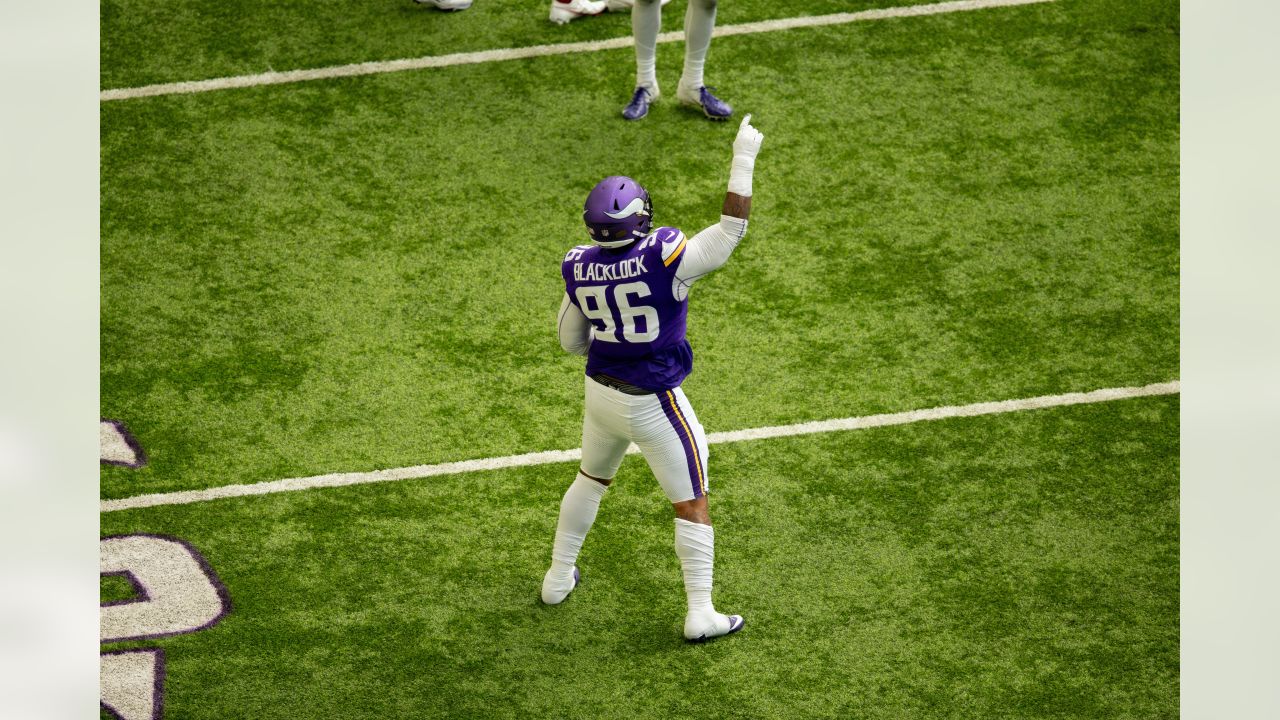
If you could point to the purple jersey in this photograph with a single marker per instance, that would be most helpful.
(628, 295)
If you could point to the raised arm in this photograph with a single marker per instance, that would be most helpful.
(710, 249)
(573, 327)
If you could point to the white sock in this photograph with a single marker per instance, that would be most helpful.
(577, 513)
(646, 22)
(696, 548)
(699, 21)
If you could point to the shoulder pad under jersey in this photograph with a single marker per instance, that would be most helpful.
(672, 241)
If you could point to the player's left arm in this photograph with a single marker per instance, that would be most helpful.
(711, 248)
(573, 327)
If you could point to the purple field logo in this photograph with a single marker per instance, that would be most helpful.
(175, 593)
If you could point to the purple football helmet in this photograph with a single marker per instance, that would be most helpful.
(617, 212)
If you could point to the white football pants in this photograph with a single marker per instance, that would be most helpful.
(662, 425)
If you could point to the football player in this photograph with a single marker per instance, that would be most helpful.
(624, 308)
(699, 21)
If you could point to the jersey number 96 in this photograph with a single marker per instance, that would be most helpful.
(607, 317)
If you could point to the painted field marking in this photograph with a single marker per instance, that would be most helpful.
(485, 56)
(558, 456)
(117, 446)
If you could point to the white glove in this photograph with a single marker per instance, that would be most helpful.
(748, 141)
(745, 148)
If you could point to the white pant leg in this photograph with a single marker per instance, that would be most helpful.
(646, 22)
(699, 23)
(662, 425)
(606, 430)
(674, 444)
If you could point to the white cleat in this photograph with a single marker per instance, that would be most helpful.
(626, 5)
(562, 13)
(554, 591)
(446, 5)
(701, 627)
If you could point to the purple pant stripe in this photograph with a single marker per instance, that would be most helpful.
(686, 440)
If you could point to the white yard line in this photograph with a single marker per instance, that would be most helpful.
(559, 456)
(470, 58)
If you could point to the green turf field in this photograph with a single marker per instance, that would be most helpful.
(355, 274)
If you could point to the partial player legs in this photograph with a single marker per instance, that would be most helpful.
(699, 21)
(696, 548)
(646, 21)
(675, 446)
(577, 513)
(604, 444)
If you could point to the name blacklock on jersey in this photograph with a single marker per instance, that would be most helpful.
(599, 272)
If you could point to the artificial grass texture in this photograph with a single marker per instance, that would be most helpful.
(1021, 566)
(363, 273)
(115, 588)
(157, 41)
